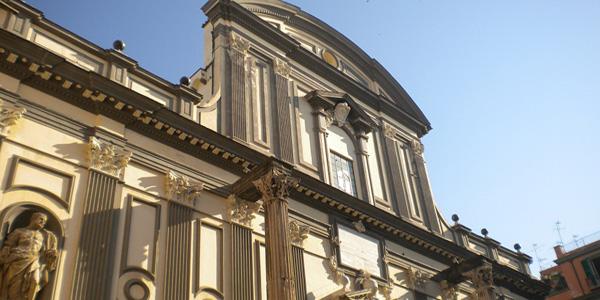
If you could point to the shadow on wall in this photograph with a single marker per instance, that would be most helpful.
(72, 151)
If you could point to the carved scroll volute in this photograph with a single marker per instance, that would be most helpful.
(179, 187)
(275, 184)
(298, 233)
(107, 157)
(242, 212)
(9, 115)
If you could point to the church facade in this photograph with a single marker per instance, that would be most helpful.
(289, 167)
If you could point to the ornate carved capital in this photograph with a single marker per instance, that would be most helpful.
(241, 211)
(417, 147)
(9, 116)
(181, 188)
(238, 43)
(389, 131)
(449, 292)
(275, 184)
(107, 158)
(483, 281)
(415, 278)
(282, 68)
(298, 233)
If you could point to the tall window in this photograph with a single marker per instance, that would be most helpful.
(342, 173)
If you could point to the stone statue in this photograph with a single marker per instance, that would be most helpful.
(26, 258)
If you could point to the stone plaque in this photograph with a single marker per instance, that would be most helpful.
(359, 251)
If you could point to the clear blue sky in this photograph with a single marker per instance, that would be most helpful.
(511, 88)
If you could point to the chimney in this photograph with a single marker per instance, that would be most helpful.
(559, 250)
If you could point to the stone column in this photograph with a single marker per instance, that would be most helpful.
(95, 258)
(323, 121)
(425, 188)
(241, 214)
(363, 156)
(178, 252)
(274, 188)
(398, 188)
(236, 93)
(282, 102)
(298, 233)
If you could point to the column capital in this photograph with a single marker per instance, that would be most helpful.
(417, 147)
(298, 233)
(238, 43)
(281, 67)
(180, 187)
(482, 278)
(242, 212)
(9, 115)
(106, 157)
(271, 180)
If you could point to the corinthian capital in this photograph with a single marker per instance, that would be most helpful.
(282, 68)
(9, 116)
(238, 43)
(180, 187)
(106, 157)
(275, 183)
(298, 233)
(483, 281)
(241, 211)
(417, 147)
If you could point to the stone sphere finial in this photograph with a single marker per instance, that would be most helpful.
(119, 45)
(484, 232)
(184, 80)
(455, 218)
(517, 247)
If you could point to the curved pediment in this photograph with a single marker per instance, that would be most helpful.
(336, 50)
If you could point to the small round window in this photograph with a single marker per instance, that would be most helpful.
(329, 58)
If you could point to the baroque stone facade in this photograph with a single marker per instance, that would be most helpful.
(289, 167)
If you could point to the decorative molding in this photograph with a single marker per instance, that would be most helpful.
(241, 211)
(449, 292)
(415, 278)
(337, 115)
(483, 282)
(281, 67)
(275, 184)
(298, 233)
(9, 116)
(364, 282)
(107, 158)
(417, 147)
(386, 290)
(338, 276)
(181, 188)
(359, 226)
(238, 43)
(389, 131)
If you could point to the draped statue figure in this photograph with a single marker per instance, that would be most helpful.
(26, 258)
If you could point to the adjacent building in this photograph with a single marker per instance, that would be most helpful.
(577, 271)
(289, 167)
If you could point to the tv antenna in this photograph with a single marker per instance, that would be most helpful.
(558, 230)
(537, 256)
